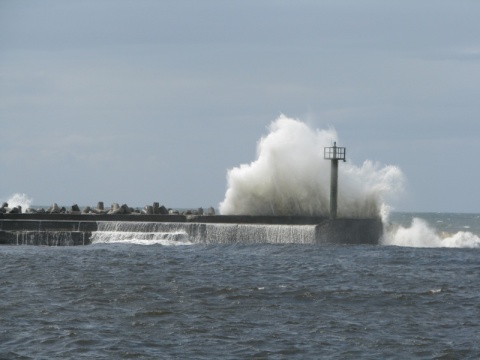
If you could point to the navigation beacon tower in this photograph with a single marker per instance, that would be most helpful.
(334, 154)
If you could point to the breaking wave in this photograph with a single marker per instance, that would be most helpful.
(19, 200)
(291, 177)
(420, 234)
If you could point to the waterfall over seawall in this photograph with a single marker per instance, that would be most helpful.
(67, 230)
(329, 231)
(23, 230)
(194, 233)
(140, 233)
(50, 238)
(263, 234)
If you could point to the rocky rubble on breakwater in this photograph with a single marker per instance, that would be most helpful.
(6, 210)
(115, 209)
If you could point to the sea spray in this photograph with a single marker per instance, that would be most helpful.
(291, 177)
(19, 199)
(421, 234)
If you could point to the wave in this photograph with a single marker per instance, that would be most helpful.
(291, 177)
(19, 199)
(421, 234)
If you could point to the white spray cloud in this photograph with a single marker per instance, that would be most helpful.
(19, 200)
(291, 177)
(420, 234)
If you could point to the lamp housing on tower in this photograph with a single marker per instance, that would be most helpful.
(335, 153)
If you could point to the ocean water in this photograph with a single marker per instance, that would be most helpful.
(172, 300)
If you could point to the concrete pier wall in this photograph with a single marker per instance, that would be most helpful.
(68, 229)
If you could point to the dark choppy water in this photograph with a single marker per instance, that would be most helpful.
(124, 301)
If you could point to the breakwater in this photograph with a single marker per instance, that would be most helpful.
(73, 229)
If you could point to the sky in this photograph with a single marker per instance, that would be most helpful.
(138, 101)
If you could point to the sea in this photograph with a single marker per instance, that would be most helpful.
(416, 296)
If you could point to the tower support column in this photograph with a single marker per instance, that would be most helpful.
(334, 154)
(333, 189)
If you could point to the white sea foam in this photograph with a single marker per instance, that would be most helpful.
(140, 238)
(420, 234)
(140, 233)
(291, 177)
(19, 200)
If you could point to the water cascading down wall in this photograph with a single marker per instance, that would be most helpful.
(67, 229)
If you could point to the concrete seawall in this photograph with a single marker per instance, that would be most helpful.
(69, 229)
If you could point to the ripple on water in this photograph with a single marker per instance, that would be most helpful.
(212, 301)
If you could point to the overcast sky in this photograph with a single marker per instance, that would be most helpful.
(142, 101)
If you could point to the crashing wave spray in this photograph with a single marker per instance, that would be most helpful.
(291, 177)
(19, 200)
(420, 234)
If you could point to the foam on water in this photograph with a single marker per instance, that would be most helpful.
(166, 239)
(420, 234)
(139, 233)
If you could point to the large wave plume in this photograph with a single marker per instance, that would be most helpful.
(291, 177)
